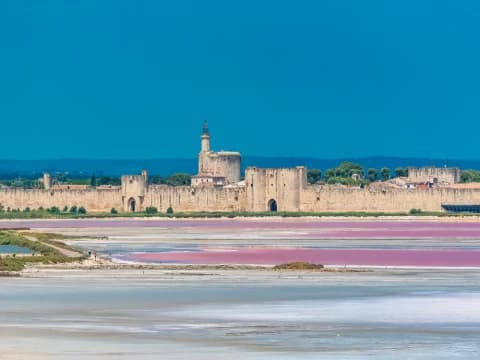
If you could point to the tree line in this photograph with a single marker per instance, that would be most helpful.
(349, 173)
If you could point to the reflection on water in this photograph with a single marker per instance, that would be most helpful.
(258, 315)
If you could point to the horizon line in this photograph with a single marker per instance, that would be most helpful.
(249, 156)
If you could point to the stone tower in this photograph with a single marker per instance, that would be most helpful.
(205, 138)
(216, 168)
(47, 181)
(134, 188)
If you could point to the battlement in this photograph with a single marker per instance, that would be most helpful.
(434, 175)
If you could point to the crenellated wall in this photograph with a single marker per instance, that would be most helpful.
(92, 199)
(330, 198)
(190, 199)
(180, 198)
(287, 187)
(434, 175)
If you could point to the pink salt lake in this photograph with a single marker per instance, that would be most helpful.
(298, 229)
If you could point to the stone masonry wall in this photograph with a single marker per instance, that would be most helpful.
(284, 187)
(337, 199)
(433, 174)
(186, 198)
(93, 200)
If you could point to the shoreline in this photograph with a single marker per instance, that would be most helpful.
(107, 266)
(420, 218)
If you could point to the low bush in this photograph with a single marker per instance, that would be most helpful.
(151, 210)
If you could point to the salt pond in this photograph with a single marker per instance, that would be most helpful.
(220, 314)
(241, 315)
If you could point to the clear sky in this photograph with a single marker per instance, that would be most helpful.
(327, 79)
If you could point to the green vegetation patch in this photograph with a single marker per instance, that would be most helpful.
(42, 253)
(299, 265)
(11, 238)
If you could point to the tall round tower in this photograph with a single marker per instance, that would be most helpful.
(205, 138)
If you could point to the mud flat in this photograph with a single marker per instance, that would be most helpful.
(241, 314)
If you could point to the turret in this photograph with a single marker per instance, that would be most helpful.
(47, 181)
(145, 176)
(205, 138)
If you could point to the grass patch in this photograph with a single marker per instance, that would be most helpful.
(42, 253)
(299, 265)
(11, 238)
(43, 214)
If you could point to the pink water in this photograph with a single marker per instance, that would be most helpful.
(283, 230)
(305, 228)
(339, 257)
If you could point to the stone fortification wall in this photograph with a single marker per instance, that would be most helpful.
(283, 186)
(92, 199)
(186, 198)
(338, 199)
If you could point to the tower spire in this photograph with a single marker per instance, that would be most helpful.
(205, 130)
(205, 137)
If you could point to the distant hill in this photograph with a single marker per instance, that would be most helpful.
(167, 166)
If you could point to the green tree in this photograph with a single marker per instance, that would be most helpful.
(113, 211)
(179, 179)
(341, 180)
(61, 177)
(82, 210)
(109, 180)
(372, 174)
(93, 181)
(385, 173)
(401, 172)
(470, 176)
(73, 209)
(313, 176)
(157, 179)
(330, 173)
(169, 210)
(343, 173)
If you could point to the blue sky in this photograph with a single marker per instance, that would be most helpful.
(327, 79)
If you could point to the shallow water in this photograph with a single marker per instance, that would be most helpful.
(304, 228)
(13, 249)
(249, 315)
(281, 241)
(152, 314)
